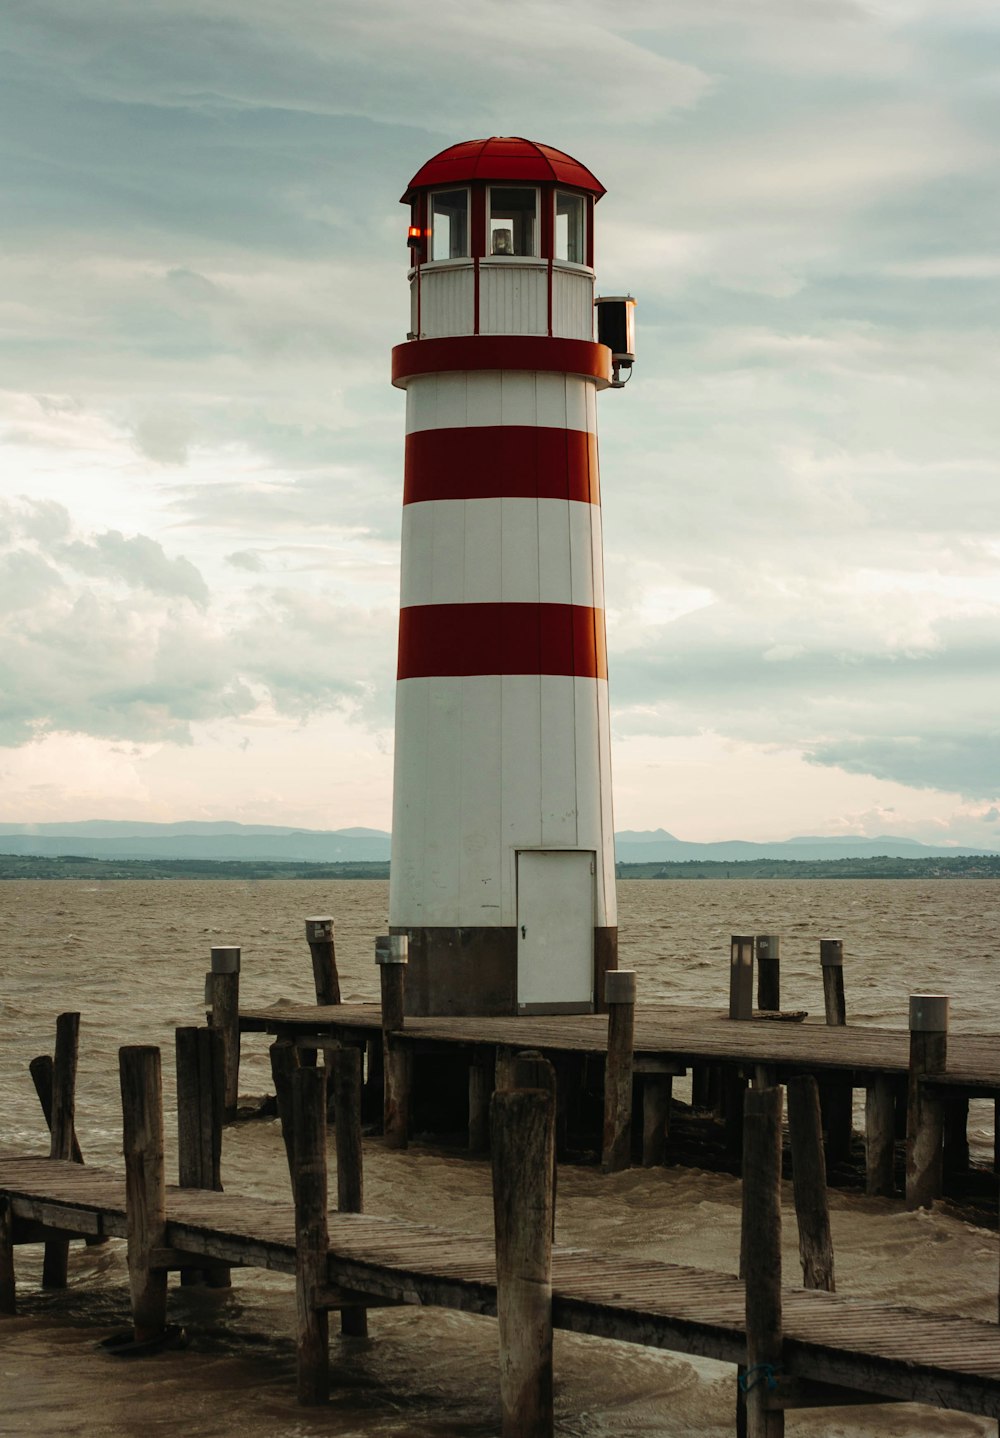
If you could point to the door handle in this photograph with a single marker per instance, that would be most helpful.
(523, 934)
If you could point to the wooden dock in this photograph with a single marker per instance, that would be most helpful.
(879, 1353)
(908, 1087)
(684, 1035)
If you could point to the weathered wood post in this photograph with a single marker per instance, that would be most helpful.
(345, 1064)
(768, 955)
(924, 1108)
(145, 1186)
(762, 1257)
(741, 976)
(619, 995)
(55, 1263)
(312, 1242)
(482, 1074)
(8, 1289)
(831, 958)
(392, 956)
(222, 994)
(880, 1137)
(812, 1206)
(836, 1094)
(523, 1145)
(319, 936)
(956, 1134)
(40, 1069)
(657, 1099)
(200, 1103)
(284, 1062)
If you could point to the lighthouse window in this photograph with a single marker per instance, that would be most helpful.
(449, 224)
(569, 229)
(513, 214)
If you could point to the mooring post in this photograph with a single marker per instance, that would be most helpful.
(40, 1069)
(762, 1257)
(523, 1145)
(222, 994)
(812, 1205)
(312, 1241)
(768, 956)
(392, 956)
(284, 1062)
(880, 1137)
(346, 1083)
(319, 936)
(55, 1263)
(741, 976)
(200, 1103)
(619, 995)
(925, 1108)
(836, 1093)
(145, 1185)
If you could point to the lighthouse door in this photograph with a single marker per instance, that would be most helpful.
(555, 931)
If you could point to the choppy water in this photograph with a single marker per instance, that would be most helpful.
(131, 957)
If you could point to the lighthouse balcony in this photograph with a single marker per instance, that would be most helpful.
(502, 295)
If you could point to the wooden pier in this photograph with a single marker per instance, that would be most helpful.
(879, 1353)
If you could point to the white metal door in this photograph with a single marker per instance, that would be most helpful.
(555, 930)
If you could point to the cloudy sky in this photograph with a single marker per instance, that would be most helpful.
(203, 271)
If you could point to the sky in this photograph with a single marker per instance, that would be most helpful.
(203, 271)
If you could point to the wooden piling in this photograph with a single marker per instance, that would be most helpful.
(223, 994)
(392, 956)
(284, 1062)
(836, 1094)
(956, 1134)
(319, 936)
(741, 976)
(200, 1103)
(482, 1073)
(831, 958)
(8, 1289)
(768, 956)
(145, 1186)
(924, 1108)
(40, 1069)
(345, 1064)
(312, 1240)
(523, 1144)
(762, 1247)
(880, 1137)
(657, 1096)
(55, 1263)
(812, 1207)
(619, 995)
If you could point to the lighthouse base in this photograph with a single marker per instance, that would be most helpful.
(467, 971)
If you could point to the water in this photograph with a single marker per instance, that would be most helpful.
(131, 957)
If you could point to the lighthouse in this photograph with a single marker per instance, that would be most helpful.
(502, 835)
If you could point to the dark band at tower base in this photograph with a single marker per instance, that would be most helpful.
(474, 971)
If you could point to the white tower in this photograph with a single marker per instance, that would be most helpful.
(502, 836)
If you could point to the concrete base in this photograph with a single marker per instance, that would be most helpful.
(474, 971)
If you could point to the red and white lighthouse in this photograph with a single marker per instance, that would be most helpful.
(502, 835)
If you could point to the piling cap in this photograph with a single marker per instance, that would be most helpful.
(619, 986)
(392, 949)
(831, 953)
(929, 1013)
(225, 959)
(319, 929)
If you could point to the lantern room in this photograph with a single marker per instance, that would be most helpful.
(502, 241)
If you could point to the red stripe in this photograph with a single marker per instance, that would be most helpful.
(436, 640)
(521, 352)
(504, 461)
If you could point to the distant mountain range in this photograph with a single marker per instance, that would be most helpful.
(124, 839)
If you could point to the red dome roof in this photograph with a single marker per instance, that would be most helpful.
(503, 158)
